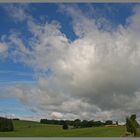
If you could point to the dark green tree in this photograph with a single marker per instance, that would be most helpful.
(6, 124)
(84, 123)
(132, 124)
(117, 123)
(109, 122)
(97, 123)
(90, 123)
(65, 126)
(77, 123)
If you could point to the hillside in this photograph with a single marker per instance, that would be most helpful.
(35, 129)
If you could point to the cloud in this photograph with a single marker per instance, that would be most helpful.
(95, 76)
(56, 115)
(3, 49)
(17, 11)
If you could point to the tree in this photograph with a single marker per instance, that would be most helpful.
(77, 123)
(17, 119)
(128, 125)
(109, 122)
(98, 123)
(90, 123)
(117, 123)
(132, 124)
(65, 126)
(11, 126)
(61, 122)
(84, 123)
(6, 124)
(69, 122)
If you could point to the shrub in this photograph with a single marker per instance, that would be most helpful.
(132, 125)
(65, 126)
(6, 124)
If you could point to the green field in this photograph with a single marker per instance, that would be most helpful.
(35, 129)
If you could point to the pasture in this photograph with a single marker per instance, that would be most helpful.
(35, 129)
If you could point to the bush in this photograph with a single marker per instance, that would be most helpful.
(65, 126)
(132, 125)
(6, 124)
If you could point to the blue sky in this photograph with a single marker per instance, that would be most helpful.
(23, 68)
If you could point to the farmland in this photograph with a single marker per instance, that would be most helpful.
(35, 129)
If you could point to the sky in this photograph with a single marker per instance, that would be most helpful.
(69, 61)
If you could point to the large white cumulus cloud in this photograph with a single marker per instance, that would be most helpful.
(95, 76)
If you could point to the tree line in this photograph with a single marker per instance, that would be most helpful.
(77, 123)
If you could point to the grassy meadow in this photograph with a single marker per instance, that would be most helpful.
(35, 129)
